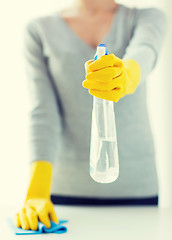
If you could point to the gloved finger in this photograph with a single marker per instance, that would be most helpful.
(32, 218)
(44, 218)
(115, 83)
(23, 219)
(16, 221)
(113, 95)
(105, 74)
(105, 61)
(53, 216)
(87, 63)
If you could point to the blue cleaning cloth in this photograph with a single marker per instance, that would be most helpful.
(55, 228)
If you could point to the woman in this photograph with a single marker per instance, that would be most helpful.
(56, 48)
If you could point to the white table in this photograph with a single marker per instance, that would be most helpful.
(102, 223)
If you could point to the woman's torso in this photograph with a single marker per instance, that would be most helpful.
(66, 54)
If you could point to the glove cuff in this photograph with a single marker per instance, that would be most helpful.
(40, 180)
(133, 75)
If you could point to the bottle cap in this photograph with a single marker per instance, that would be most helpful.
(101, 51)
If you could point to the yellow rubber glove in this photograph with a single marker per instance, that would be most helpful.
(111, 78)
(38, 205)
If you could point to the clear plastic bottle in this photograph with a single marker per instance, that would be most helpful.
(104, 163)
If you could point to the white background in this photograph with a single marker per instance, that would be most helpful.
(14, 170)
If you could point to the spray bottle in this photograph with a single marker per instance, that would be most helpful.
(104, 163)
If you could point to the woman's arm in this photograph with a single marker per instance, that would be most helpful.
(44, 129)
(147, 39)
(44, 115)
(123, 76)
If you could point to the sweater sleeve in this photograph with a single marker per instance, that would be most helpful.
(44, 114)
(147, 38)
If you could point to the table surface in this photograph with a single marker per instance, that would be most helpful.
(102, 223)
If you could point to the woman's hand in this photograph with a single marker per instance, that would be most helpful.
(111, 78)
(33, 210)
(38, 205)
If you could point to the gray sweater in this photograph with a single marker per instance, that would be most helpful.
(60, 108)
